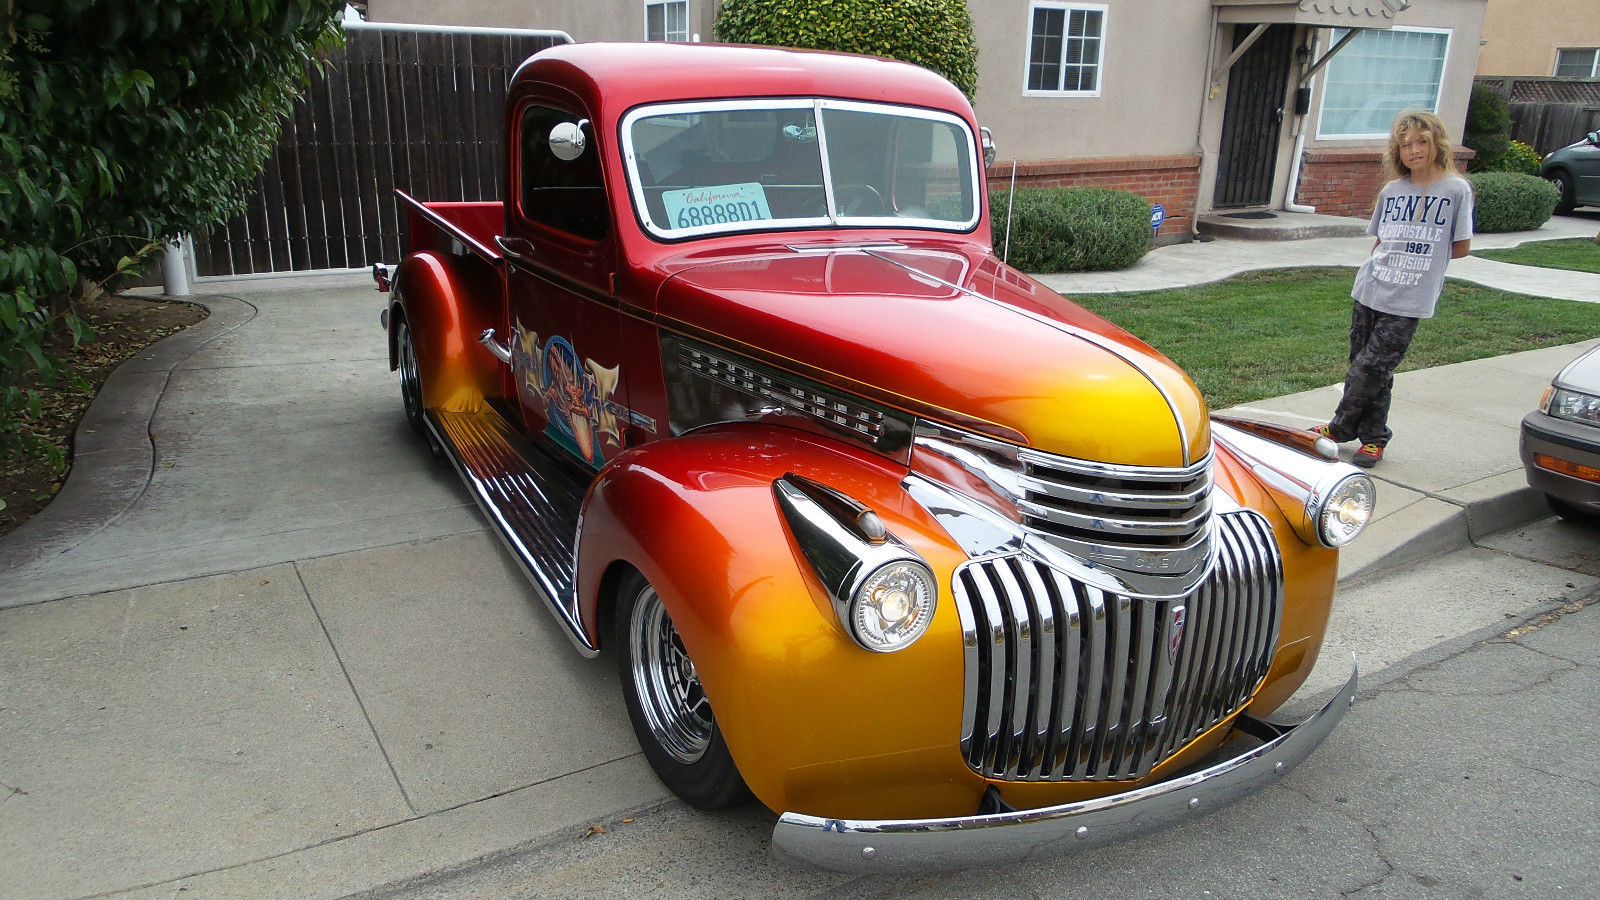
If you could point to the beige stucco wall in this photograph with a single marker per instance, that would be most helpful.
(1464, 19)
(1521, 36)
(1149, 103)
(584, 20)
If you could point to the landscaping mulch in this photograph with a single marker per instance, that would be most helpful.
(123, 325)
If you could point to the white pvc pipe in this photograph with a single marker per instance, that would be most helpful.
(1294, 175)
(174, 269)
(1289, 204)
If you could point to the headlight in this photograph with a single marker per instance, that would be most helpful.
(1347, 510)
(1572, 406)
(882, 592)
(893, 606)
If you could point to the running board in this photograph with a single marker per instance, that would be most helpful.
(532, 501)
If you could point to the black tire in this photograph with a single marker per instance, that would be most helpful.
(1562, 179)
(1572, 512)
(411, 388)
(670, 713)
(410, 378)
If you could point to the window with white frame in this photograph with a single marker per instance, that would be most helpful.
(1584, 63)
(1066, 48)
(1378, 75)
(667, 21)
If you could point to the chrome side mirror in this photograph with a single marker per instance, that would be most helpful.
(986, 137)
(567, 140)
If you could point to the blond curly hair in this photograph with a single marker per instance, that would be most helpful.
(1418, 121)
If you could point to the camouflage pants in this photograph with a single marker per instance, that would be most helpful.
(1378, 342)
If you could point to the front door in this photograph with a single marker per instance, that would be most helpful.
(1253, 119)
(565, 331)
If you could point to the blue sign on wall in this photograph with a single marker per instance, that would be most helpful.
(1158, 214)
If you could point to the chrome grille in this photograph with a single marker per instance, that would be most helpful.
(1066, 681)
(1149, 511)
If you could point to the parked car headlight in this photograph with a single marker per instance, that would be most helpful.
(1347, 510)
(893, 606)
(1571, 405)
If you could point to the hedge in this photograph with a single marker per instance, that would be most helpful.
(1072, 229)
(1507, 201)
(934, 34)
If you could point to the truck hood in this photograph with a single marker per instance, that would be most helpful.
(949, 336)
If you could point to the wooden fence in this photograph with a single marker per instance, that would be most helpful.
(418, 110)
(1549, 113)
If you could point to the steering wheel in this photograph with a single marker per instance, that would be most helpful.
(859, 200)
(851, 200)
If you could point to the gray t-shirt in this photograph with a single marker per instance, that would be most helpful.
(1415, 227)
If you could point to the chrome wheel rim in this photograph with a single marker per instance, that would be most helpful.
(666, 683)
(410, 378)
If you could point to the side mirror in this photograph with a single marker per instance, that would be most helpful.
(986, 137)
(1594, 138)
(567, 140)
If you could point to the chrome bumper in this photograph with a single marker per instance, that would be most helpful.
(918, 846)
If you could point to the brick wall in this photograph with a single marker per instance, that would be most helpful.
(1172, 181)
(1346, 182)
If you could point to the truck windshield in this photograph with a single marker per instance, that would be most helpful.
(715, 167)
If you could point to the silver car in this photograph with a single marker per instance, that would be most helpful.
(1575, 171)
(1561, 441)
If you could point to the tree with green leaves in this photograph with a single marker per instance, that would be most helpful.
(1488, 128)
(934, 34)
(122, 124)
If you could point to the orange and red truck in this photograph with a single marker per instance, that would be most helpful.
(936, 564)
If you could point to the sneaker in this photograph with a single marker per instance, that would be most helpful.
(1368, 455)
(1327, 432)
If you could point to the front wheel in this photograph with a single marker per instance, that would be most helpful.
(671, 715)
(1569, 194)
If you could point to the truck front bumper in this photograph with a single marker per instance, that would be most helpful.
(918, 846)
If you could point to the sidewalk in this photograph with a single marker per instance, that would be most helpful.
(263, 645)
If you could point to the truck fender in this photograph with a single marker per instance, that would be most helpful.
(446, 310)
(697, 516)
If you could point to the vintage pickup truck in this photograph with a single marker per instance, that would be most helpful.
(937, 564)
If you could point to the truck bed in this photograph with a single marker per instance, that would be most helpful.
(430, 226)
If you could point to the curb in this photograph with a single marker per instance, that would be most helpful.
(1432, 527)
(113, 456)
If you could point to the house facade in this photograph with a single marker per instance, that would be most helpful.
(1202, 106)
(1541, 38)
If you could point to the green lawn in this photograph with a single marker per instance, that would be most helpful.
(1577, 254)
(1270, 333)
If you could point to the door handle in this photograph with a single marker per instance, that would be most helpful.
(520, 249)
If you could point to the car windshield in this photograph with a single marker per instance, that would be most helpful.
(715, 167)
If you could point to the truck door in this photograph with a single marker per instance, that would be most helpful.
(560, 250)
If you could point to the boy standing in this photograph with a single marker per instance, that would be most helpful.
(1423, 220)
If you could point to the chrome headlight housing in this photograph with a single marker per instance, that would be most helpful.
(882, 592)
(1346, 510)
(1327, 501)
(893, 606)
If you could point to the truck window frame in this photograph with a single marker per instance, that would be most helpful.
(585, 212)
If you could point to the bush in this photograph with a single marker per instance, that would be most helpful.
(1508, 201)
(1072, 229)
(1520, 158)
(934, 34)
(123, 123)
(1488, 128)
